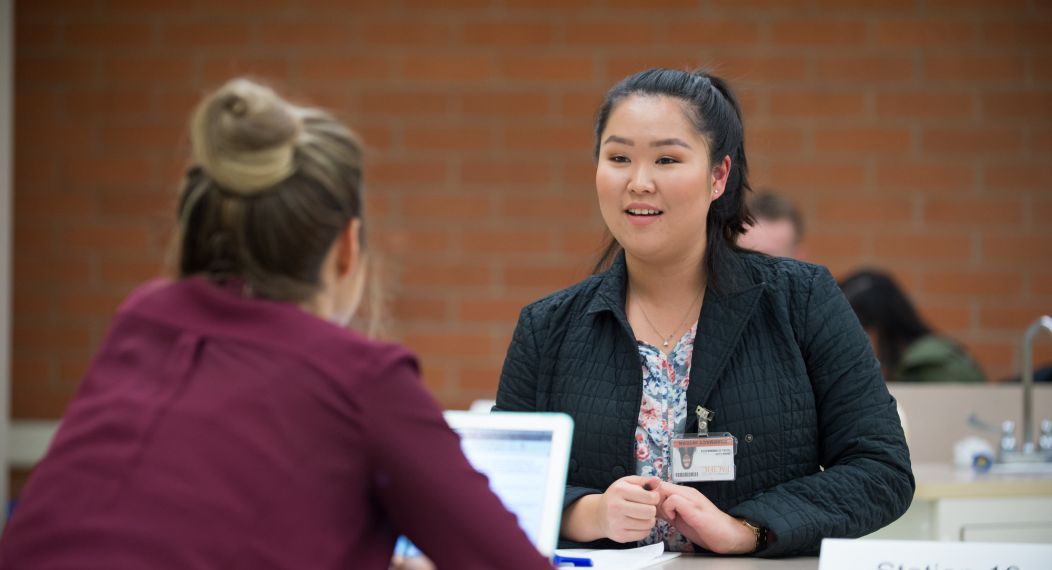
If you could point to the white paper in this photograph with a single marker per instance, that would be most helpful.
(628, 559)
(844, 554)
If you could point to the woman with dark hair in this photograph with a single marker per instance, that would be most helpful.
(679, 330)
(908, 350)
(230, 419)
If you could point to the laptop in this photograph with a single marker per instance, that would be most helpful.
(525, 456)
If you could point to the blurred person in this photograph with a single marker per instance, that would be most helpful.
(230, 419)
(777, 228)
(908, 349)
(678, 323)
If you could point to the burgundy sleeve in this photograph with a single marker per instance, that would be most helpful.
(430, 491)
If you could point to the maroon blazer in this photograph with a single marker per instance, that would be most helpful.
(218, 431)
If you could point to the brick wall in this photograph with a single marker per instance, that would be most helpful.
(916, 135)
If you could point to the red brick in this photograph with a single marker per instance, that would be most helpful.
(758, 70)
(399, 173)
(584, 245)
(108, 171)
(344, 68)
(817, 104)
(34, 234)
(86, 303)
(482, 378)
(197, 35)
(1032, 106)
(615, 69)
(552, 138)
(400, 102)
(1039, 141)
(970, 68)
(129, 271)
(773, 141)
(613, 33)
(505, 173)
(54, 203)
(862, 209)
(896, 6)
(266, 69)
(445, 4)
(865, 140)
(407, 308)
(34, 173)
(542, 277)
(40, 269)
(58, 70)
(137, 203)
(926, 176)
(832, 33)
(449, 344)
(129, 140)
(146, 68)
(300, 34)
(547, 68)
(511, 105)
(1029, 34)
(451, 138)
(31, 302)
(1041, 284)
(995, 357)
(973, 141)
(35, 36)
(957, 6)
(501, 34)
(973, 282)
(824, 245)
(923, 247)
(537, 208)
(49, 335)
(1018, 248)
(924, 105)
(974, 211)
(1010, 317)
(109, 105)
(78, 36)
(106, 237)
(402, 33)
(440, 68)
(445, 274)
(508, 242)
(449, 206)
(711, 32)
(405, 241)
(500, 310)
(870, 69)
(947, 318)
(925, 33)
(800, 175)
(1042, 66)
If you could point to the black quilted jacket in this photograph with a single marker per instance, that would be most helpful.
(784, 364)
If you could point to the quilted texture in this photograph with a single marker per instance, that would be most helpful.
(783, 362)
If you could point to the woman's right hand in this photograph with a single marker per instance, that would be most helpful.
(627, 511)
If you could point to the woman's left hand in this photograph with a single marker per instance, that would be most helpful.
(702, 523)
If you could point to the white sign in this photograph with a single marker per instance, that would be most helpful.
(843, 554)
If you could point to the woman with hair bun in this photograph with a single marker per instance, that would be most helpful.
(230, 419)
(680, 331)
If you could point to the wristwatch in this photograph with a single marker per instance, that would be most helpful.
(759, 532)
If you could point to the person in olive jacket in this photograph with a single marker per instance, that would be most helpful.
(679, 329)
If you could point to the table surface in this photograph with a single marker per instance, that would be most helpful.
(689, 562)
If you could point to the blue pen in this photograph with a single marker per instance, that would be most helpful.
(572, 560)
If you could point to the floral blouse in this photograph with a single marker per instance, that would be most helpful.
(662, 415)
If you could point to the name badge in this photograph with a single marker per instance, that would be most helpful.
(703, 457)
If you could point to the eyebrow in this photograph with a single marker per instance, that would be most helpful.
(662, 142)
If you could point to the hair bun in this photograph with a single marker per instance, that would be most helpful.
(244, 137)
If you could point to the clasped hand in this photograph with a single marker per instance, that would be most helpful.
(631, 506)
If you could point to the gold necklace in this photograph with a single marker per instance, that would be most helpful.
(666, 339)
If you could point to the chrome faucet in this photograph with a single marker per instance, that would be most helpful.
(1030, 451)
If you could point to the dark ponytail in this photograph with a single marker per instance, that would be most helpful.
(716, 114)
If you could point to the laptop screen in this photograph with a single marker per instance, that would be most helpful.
(524, 456)
(516, 463)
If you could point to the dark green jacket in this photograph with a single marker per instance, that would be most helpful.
(933, 358)
(783, 362)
